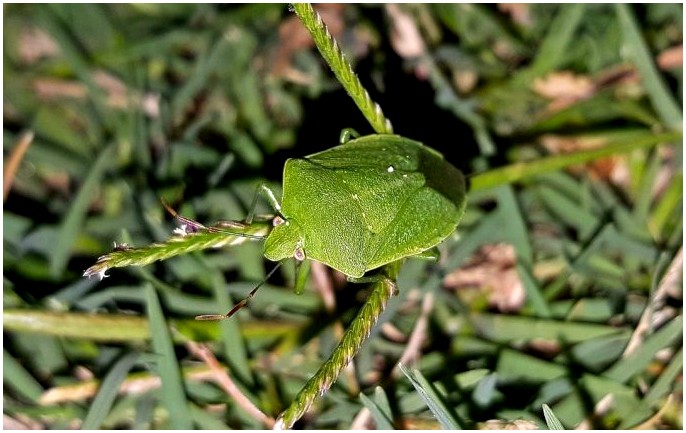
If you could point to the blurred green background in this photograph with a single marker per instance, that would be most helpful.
(563, 288)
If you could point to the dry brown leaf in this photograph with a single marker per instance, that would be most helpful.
(12, 164)
(609, 168)
(492, 268)
(118, 94)
(518, 11)
(21, 422)
(671, 58)
(405, 37)
(53, 88)
(293, 37)
(35, 44)
(563, 88)
(136, 385)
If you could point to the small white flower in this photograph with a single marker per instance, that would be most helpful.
(102, 274)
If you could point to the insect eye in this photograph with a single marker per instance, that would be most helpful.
(299, 253)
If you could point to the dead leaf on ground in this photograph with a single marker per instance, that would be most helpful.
(493, 269)
(119, 96)
(564, 88)
(35, 45)
(608, 168)
(671, 58)
(12, 163)
(406, 39)
(293, 37)
(518, 11)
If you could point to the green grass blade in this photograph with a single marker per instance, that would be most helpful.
(561, 32)
(658, 91)
(206, 421)
(667, 381)
(108, 392)
(668, 208)
(77, 325)
(433, 399)
(504, 329)
(15, 376)
(73, 221)
(382, 415)
(524, 170)
(173, 394)
(234, 345)
(641, 358)
(550, 419)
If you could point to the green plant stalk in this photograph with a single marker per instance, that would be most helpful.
(359, 329)
(174, 246)
(127, 328)
(350, 344)
(658, 91)
(331, 52)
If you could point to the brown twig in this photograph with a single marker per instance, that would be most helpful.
(413, 350)
(13, 162)
(223, 379)
(647, 321)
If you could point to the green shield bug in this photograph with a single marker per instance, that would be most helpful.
(362, 205)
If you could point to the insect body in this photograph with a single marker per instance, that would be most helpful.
(366, 203)
(356, 207)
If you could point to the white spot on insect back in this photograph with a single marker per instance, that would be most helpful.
(390, 169)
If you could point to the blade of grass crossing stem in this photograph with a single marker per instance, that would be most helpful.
(206, 421)
(73, 221)
(658, 91)
(644, 197)
(380, 412)
(145, 412)
(550, 419)
(514, 224)
(666, 208)
(641, 358)
(173, 394)
(554, 47)
(108, 392)
(65, 37)
(667, 381)
(15, 376)
(523, 170)
(433, 399)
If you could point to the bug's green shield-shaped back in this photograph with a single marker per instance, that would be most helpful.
(367, 203)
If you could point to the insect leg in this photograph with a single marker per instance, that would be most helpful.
(302, 271)
(242, 303)
(191, 226)
(271, 198)
(347, 134)
(186, 223)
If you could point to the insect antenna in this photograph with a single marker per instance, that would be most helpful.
(243, 302)
(192, 226)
